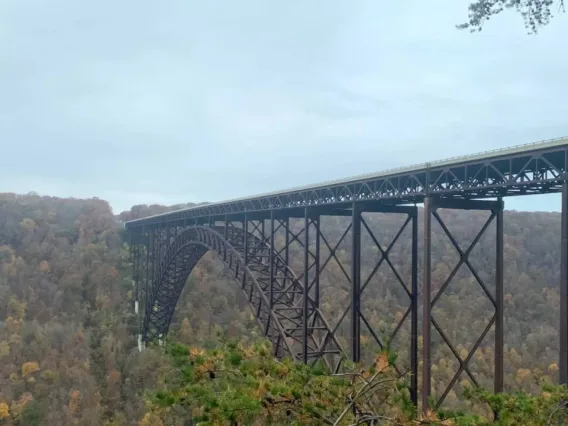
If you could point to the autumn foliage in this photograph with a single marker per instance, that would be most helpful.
(66, 300)
(4, 411)
(236, 384)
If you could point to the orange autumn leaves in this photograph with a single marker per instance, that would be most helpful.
(381, 362)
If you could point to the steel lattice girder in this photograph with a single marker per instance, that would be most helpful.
(535, 169)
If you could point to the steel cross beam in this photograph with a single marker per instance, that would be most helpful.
(358, 223)
(563, 362)
(431, 205)
(313, 262)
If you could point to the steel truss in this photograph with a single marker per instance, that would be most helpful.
(247, 236)
(563, 363)
(431, 207)
(540, 169)
(359, 285)
(287, 310)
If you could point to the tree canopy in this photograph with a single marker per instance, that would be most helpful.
(240, 384)
(536, 13)
(68, 349)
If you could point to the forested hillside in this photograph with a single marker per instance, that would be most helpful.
(68, 353)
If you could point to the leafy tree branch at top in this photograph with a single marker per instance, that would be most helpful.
(536, 13)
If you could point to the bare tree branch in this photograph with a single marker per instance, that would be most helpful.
(560, 406)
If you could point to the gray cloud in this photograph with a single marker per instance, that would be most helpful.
(140, 102)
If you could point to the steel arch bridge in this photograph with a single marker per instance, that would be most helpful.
(252, 261)
(253, 238)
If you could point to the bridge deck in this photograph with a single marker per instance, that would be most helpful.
(538, 167)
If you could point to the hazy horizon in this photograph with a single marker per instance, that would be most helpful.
(181, 102)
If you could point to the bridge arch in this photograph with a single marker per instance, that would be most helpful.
(280, 312)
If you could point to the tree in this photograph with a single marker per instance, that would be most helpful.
(519, 408)
(536, 13)
(74, 313)
(4, 411)
(29, 368)
(236, 384)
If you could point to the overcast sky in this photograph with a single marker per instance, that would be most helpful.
(178, 101)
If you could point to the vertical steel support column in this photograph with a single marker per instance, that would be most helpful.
(317, 223)
(426, 304)
(146, 282)
(286, 223)
(245, 249)
(564, 288)
(271, 258)
(172, 233)
(131, 255)
(306, 294)
(499, 301)
(287, 241)
(226, 237)
(136, 276)
(137, 256)
(414, 312)
(245, 243)
(356, 284)
(147, 277)
(153, 255)
(262, 231)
